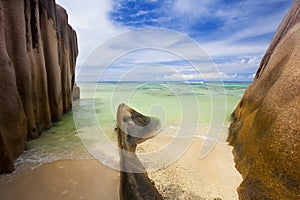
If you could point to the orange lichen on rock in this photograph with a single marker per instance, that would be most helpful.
(265, 131)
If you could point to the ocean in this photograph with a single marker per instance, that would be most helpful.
(185, 110)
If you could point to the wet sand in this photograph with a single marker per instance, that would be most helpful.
(64, 180)
(188, 178)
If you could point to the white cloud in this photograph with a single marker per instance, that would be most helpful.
(181, 77)
(89, 19)
(210, 76)
(192, 7)
(226, 48)
(169, 50)
(142, 12)
(258, 27)
(252, 60)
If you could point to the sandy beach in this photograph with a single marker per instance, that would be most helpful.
(178, 91)
(188, 178)
(213, 177)
(65, 180)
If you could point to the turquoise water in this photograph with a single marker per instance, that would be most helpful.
(173, 102)
(170, 96)
(196, 109)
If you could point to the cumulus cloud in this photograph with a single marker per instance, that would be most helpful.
(234, 37)
(181, 77)
(89, 19)
(193, 7)
(252, 60)
(206, 77)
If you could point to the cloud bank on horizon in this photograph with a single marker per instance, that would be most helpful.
(235, 34)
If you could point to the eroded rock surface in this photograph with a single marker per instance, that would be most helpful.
(134, 128)
(265, 131)
(38, 51)
(76, 92)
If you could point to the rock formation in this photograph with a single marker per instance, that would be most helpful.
(265, 131)
(38, 51)
(76, 92)
(134, 128)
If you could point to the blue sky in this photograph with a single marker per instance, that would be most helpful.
(233, 33)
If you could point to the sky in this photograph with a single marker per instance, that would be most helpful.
(169, 40)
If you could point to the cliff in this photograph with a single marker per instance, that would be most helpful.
(265, 131)
(38, 51)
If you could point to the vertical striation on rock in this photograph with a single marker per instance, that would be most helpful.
(265, 131)
(38, 51)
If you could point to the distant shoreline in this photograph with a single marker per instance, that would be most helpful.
(241, 82)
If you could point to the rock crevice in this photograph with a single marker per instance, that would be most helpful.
(265, 131)
(38, 51)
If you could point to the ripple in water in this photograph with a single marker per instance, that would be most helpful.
(62, 142)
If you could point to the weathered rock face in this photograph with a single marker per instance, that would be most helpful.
(76, 92)
(38, 51)
(265, 131)
(134, 128)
